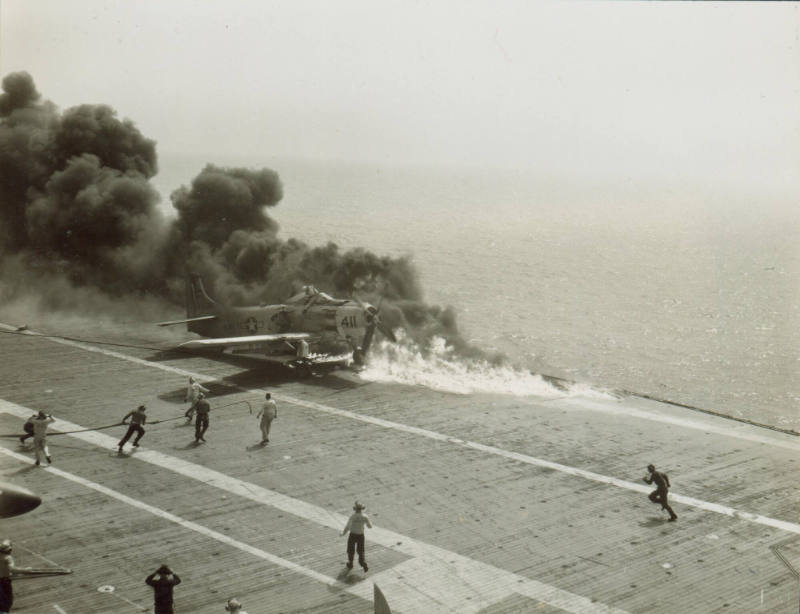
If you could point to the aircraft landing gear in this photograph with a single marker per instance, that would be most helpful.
(303, 369)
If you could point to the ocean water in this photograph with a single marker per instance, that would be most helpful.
(686, 294)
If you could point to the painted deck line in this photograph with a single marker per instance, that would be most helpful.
(187, 524)
(741, 431)
(707, 506)
(223, 481)
(725, 510)
(523, 458)
(91, 348)
(453, 583)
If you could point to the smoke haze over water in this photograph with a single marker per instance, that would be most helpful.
(82, 230)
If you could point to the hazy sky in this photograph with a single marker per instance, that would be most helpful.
(677, 91)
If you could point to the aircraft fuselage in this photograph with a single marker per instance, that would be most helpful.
(326, 324)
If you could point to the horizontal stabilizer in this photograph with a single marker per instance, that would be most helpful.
(233, 342)
(187, 320)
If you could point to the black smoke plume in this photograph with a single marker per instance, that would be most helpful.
(75, 196)
(81, 225)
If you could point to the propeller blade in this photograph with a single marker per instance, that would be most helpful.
(373, 318)
(387, 332)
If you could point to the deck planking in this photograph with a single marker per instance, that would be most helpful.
(604, 543)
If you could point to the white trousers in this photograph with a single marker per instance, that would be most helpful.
(265, 425)
(40, 447)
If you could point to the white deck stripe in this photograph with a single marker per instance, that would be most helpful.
(712, 425)
(539, 462)
(188, 524)
(467, 585)
(740, 431)
(736, 432)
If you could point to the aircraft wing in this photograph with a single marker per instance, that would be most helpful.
(197, 319)
(249, 340)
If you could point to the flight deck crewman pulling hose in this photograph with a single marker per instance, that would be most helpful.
(192, 396)
(28, 428)
(138, 419)
(201, 426)
(40, 436)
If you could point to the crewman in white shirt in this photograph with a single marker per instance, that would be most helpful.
(192, 396)
(355, 524)
(267, 414)
(40, 436)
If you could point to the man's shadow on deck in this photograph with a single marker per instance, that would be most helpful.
(190, 446)
(348, 576)
(653, 522)
(24, 470)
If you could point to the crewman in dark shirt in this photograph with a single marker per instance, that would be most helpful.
(201, 426)
(138, 420)
(163, 580)
(28, 428)
(659, 495)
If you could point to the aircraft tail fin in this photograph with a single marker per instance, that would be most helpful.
(198, 303)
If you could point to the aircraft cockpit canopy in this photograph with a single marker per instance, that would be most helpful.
(310, 295)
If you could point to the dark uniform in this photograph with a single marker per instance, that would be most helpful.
(201, 426)
(162, 580)
(28, 428)
(138, 419)
(659, 495)
(6, 567)
(355, 541)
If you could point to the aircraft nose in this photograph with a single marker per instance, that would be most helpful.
(15, 500)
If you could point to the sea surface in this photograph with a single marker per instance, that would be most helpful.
(684, 294)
